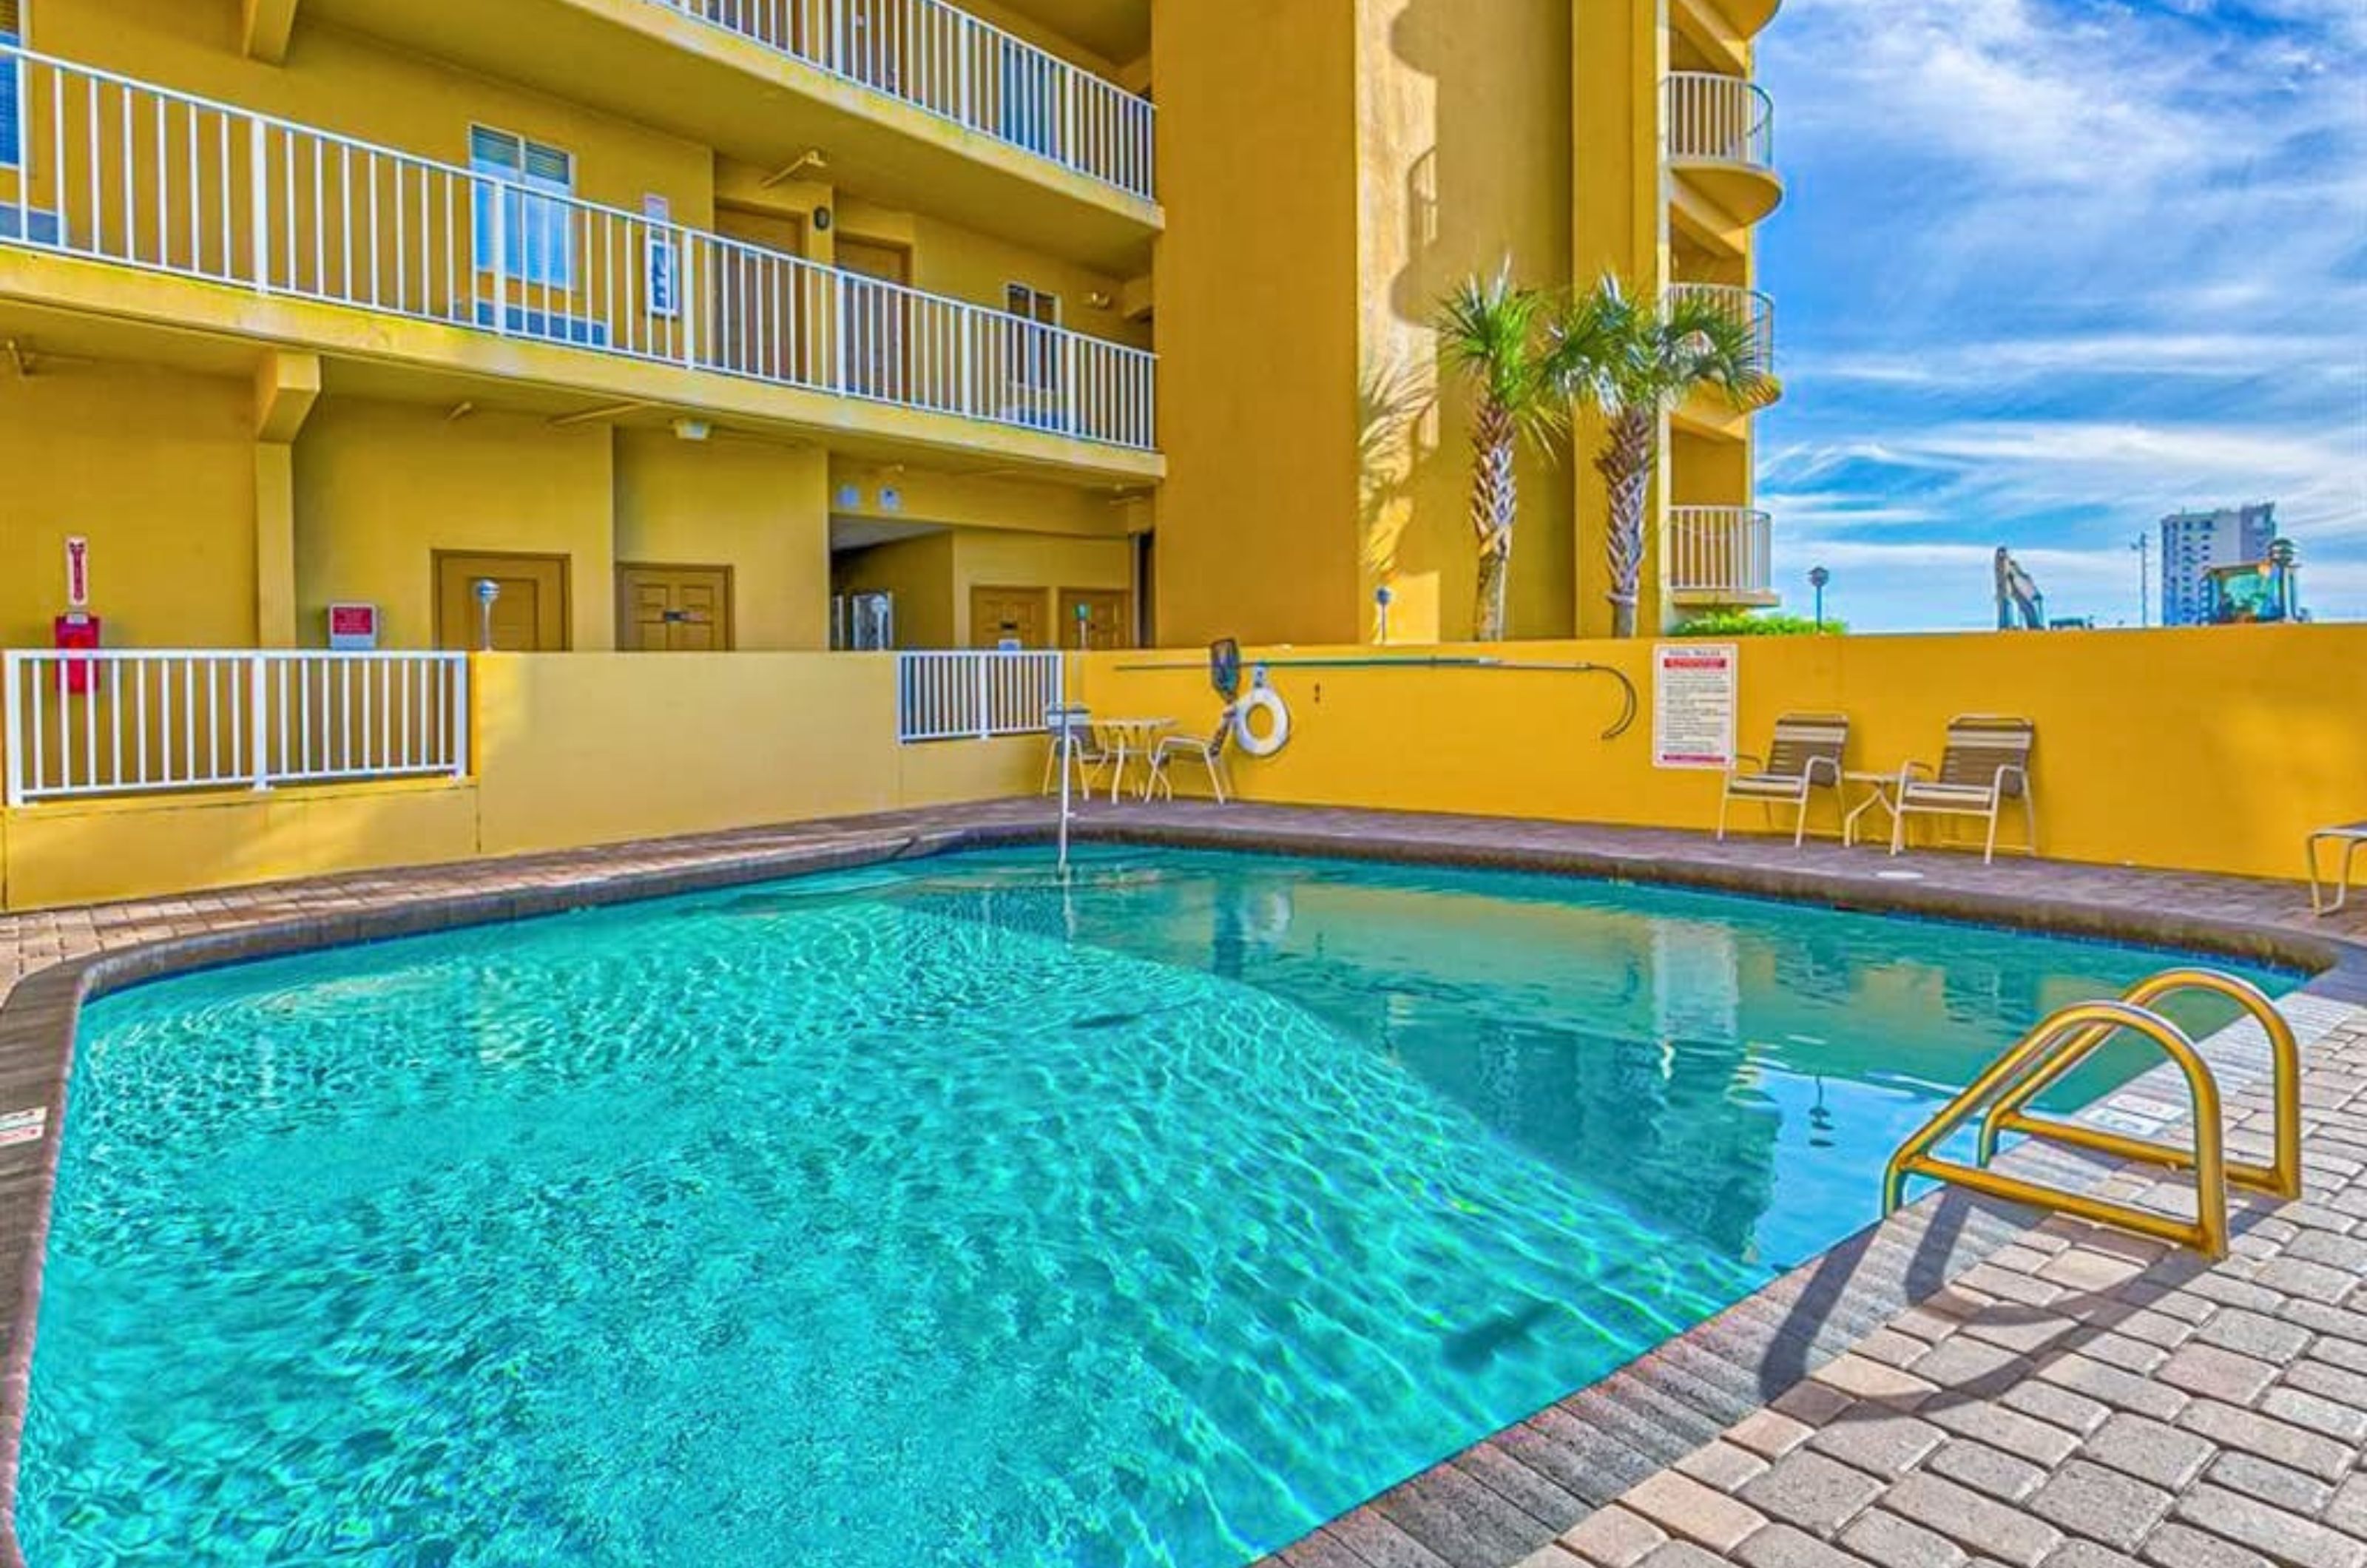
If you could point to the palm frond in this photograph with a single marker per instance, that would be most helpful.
(1493, 331)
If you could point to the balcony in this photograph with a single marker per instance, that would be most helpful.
(120, 172)
(1720, 30)
(917, 105)
(1719, 556)
(1707, 413)
(959, 68)
(1721, 147)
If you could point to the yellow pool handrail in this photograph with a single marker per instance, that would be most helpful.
(2075, 1031)
(2281, 1177)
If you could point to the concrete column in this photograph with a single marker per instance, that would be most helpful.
(1620, 218)
(286, 388)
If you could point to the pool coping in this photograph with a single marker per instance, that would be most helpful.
(1647, 1414)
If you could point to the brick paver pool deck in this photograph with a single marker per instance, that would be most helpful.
(1964, 1383)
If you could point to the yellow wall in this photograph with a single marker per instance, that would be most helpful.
(572, 751)
(758, 508)
(1255, 294)
(973, 500)
(1461, 169)
(1023, 560)
(2211, 749)
(1619, 217)
(581, 750)
(932, 576)
(78, 853)
(920, 573)
(1326, 190)
(381, 487)
(157, 470)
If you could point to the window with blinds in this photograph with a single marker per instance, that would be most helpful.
(12, 85)
(520, 230)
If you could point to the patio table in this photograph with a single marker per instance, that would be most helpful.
(1881, 790)
(1131, 739)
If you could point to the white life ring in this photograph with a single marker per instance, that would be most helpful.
(1265, 700)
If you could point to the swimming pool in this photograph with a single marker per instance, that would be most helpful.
(939, 1213)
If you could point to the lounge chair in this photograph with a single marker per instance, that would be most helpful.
(1085, 748)
(1805, 756)
(1209, 751)
(2351, 836)
(1986, 765)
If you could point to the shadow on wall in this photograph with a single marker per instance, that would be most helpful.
(1473, 109)
(1397, 439)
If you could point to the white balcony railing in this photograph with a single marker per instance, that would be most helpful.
(1723, 119)
(974, 696)
(950, 64)
(142, 721)
(1749, 306)
(1720, 549)
(118, 171)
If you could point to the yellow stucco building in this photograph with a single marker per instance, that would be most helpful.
(787, 325)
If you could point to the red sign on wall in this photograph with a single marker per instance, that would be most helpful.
(353, 627)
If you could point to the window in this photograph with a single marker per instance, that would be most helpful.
(537, 233)
(12, 86)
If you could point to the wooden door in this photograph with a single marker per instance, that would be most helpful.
(997, 614)
(673, 609)
(1107, 620)
(763, 300)
(875, 319)
(529, 610)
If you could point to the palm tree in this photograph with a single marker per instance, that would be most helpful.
(1501, 338)
(1631, 361)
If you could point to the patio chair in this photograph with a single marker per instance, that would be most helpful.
(2350, 837)
(1804, 756)
(1986, 763)
(1209, 751)
(1086, 748)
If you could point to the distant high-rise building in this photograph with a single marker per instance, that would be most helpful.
(2194, 542)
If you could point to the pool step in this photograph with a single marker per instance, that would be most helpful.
(2063, 1041)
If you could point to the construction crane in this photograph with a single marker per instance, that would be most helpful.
(2018, 598)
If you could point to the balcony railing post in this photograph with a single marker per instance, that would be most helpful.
(14, 752)
(501, 207)
(258, 694)
(692, 303)
(461, 714)
(985, 697)
(258, 143)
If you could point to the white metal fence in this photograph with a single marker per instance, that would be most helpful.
(1749, 306)
(951, 63)
(975, 696)
(1720, 549)
(119, 171)
(139, 721)
(1727, 119)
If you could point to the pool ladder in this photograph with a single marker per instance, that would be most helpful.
(2060, 1044)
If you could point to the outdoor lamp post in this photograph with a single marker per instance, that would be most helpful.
(1817, 578)
(1381, 597)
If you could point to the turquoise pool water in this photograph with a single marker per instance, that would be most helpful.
(940, 1215)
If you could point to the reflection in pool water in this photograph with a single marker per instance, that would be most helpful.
(944, 1214)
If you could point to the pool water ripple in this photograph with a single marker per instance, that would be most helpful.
(947, 1215)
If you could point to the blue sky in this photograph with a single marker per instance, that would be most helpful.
(2047, 269)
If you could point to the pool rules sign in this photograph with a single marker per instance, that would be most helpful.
(1693, 686)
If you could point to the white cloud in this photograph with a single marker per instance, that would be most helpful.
(2050, 268)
